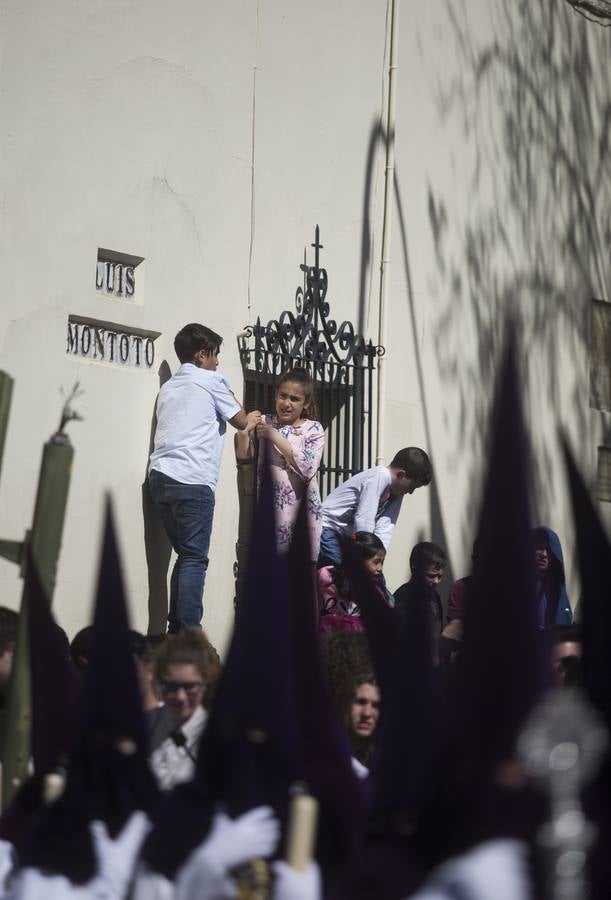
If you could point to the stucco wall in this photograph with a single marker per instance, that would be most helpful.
(210, 141)
(503, 172)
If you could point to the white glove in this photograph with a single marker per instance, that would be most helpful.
(254, 835)
(292, 885)
(7, 864)
(230, 843)
(30, 884)
(116, 861)
(494, 870)
(200, 878)
(117, 858)
(150, 885)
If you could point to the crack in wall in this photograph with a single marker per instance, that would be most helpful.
(163, 182)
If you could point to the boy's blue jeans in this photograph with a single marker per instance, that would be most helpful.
(330, 549)
(186, 511)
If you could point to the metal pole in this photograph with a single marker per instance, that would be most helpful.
(348, 410)
(16, 742)
(11, 550)
(386, 230)
(6, 393)
(337, 425)
(45, 541)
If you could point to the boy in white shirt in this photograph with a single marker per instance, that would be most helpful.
(371, 501)
(192, 410)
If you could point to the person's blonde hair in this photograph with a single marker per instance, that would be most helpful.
(189, 648)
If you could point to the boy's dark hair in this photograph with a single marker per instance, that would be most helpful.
(425, 555)
(415, 463)
(368, 544)
(193, 338)
(9, 620)
(306, 383)
(82, 646)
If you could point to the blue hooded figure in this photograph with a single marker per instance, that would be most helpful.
(553, 607)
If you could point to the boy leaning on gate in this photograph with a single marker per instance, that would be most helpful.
(371, 501)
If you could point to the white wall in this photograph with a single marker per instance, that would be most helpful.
(135, 127)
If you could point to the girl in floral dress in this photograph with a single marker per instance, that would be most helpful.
(295, 443)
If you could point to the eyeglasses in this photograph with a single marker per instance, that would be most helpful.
(189, 687)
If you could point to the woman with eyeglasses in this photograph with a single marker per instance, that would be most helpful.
(186, 667)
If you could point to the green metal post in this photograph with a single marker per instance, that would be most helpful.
(50, 508)
(16, 742)
(45, 542)
(44, 539)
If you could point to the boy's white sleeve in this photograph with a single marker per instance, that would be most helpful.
(385, 524)
(369, 500)
(224, 400)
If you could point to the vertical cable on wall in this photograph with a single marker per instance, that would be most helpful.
(389, 173)
(252, 166)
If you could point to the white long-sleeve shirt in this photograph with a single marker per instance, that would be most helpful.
(173, 763)
(359, 504)
(192, 412)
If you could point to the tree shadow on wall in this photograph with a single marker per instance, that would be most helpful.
(535, 107)
(377, 140)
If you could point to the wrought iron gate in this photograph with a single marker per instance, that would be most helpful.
(341, 362)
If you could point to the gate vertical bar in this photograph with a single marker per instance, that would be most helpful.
(321, 398)
(359, 423)
(338, 418)
(330, 430)
(347, 405)
(6, 393)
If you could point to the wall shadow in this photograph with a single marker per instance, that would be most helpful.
(438, 529)
(533, 102)
(157, 547)
(377, 139)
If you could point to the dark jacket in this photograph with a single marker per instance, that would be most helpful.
(402, 599)
(553, 602)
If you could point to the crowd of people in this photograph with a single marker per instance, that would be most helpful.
(400, 719)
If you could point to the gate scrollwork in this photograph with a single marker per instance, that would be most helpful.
(309, 334)
(341, 361)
